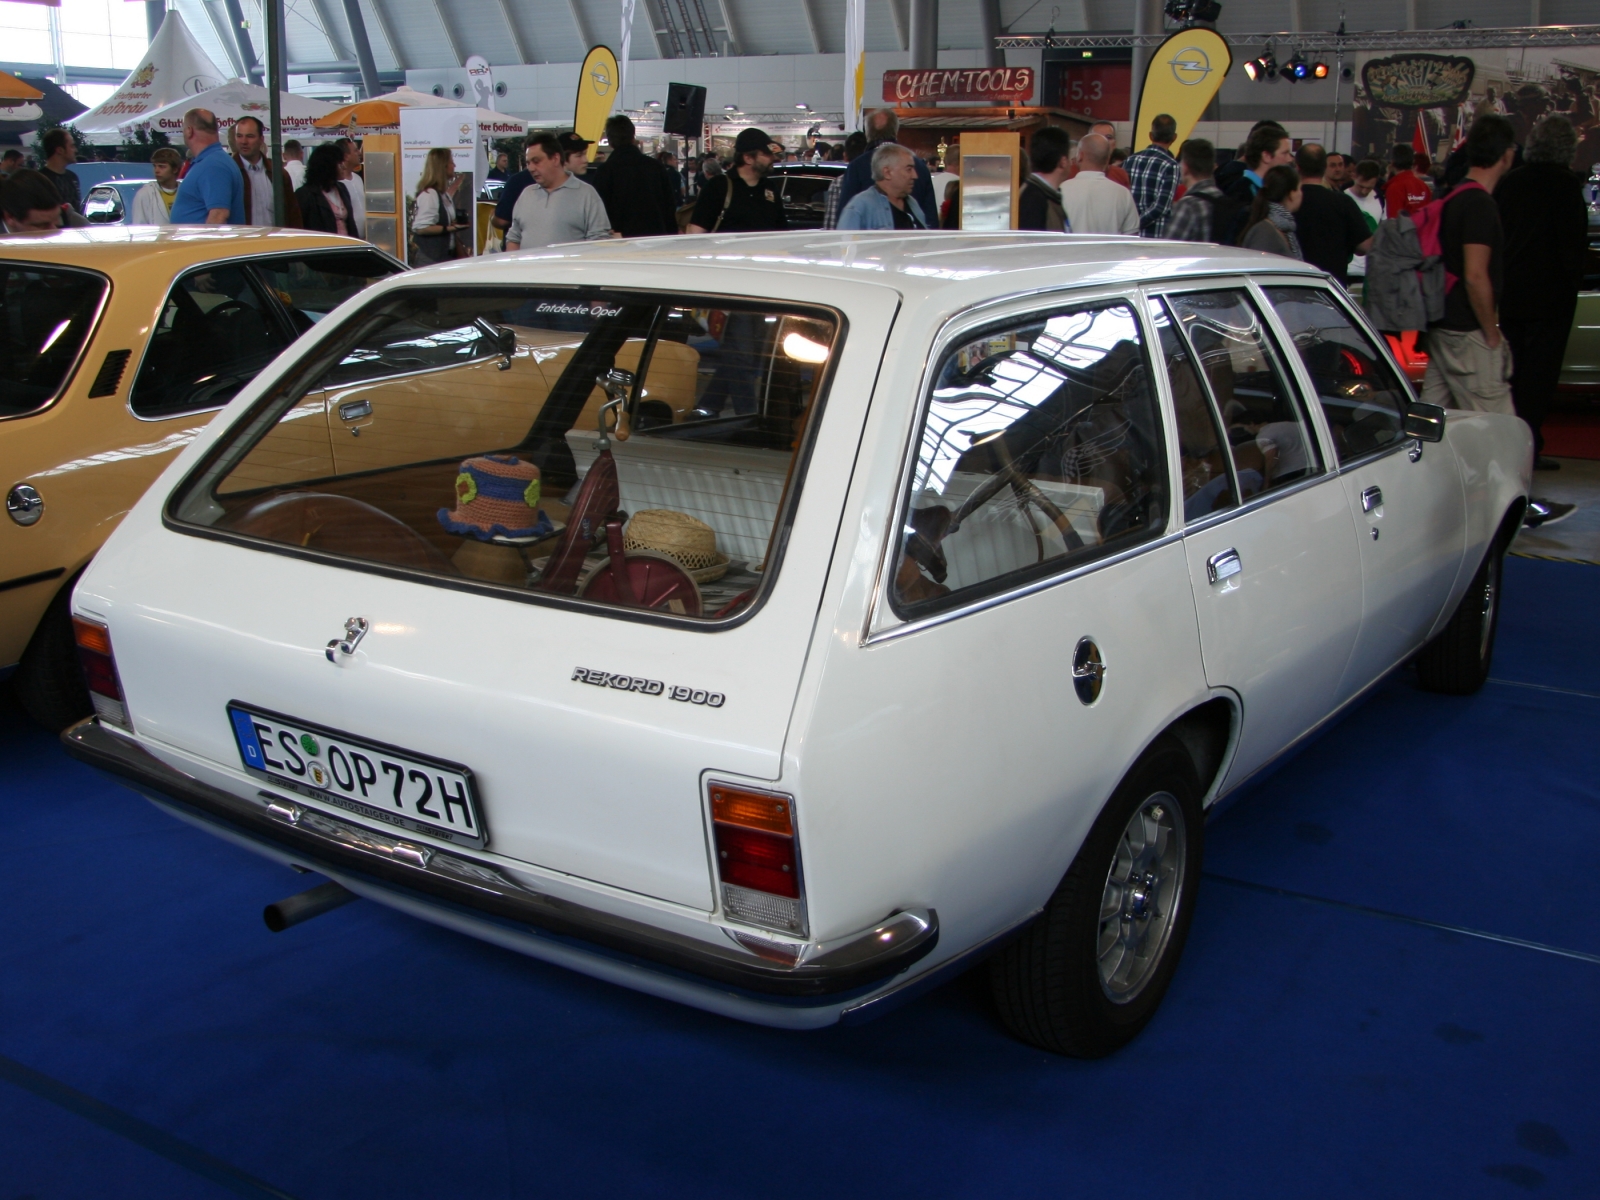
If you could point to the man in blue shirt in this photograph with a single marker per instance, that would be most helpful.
(212, 193)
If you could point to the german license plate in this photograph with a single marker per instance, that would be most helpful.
(372, 780)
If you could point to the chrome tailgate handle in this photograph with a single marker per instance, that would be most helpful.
(1371, 498)
(1223, 566)
(355, 410)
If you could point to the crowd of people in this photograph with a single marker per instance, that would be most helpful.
(1512, 216)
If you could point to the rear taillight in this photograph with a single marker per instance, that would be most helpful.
(758, 858)
(100, 672)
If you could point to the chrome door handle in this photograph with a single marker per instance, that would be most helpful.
(1371, 498)
(355, 410)
(1223, 566)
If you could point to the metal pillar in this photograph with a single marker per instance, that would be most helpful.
(155, 12)
(924, 34)
(278, 66)
(1147, 20)
(358, 35)
(272, 10)
(241, 37)
(989, 23)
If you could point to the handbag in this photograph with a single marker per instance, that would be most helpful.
(434, 247)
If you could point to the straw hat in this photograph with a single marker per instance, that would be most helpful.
(497, 495)
(690, 543)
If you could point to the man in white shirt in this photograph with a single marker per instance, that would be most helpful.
(1093, 203)
(351, 178)
(1364, 179)
(294, 164)
(556, 207)
(249, 152)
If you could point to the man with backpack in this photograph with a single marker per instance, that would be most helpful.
(1469, 362)
(1203, 210)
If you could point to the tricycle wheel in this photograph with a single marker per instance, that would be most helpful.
(658, 583)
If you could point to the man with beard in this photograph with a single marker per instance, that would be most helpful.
(741, 200)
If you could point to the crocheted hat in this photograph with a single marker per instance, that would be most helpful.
(497, 496)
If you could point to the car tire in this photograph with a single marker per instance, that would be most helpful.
(1088, 974)
(1457, 662)
(48, 681)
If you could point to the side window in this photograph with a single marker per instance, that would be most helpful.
(1207, 483)
(1361, 395)
(46, 316)
(1041, 449)
(214, 333)
(313, 285)
(1271, 443)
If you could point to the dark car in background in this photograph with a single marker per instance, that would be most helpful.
(804, 188)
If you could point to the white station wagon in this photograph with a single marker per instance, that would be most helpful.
(782, 624)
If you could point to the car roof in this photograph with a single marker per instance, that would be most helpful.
(113, 248)
(967, 267)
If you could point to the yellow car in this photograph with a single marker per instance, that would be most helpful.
(116, 346)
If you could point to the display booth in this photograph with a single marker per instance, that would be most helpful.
(175, 70)
(468, 133)
(297, 115)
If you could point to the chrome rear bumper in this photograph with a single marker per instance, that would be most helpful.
(825, 974)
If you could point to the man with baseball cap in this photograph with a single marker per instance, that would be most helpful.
(741, 201)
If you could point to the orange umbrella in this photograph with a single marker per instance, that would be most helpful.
(12, 88)
(364, 112)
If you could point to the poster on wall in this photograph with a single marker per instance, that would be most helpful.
(466, 132)
(1429, 100)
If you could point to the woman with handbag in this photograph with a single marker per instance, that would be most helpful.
(433, 224)
(324, 201)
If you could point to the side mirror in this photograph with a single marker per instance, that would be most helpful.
(1425, 422)
(503, 340)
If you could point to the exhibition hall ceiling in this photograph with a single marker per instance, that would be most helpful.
(416, 34)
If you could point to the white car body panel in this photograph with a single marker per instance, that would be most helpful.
(942, 765)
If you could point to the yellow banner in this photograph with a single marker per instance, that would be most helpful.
(598, 81)
(1183, 75)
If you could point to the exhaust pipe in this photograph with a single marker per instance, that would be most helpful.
(312, 903)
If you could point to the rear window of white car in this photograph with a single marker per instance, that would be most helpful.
(46, 317)
(631, 450)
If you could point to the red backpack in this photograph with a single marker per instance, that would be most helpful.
(1429, 220)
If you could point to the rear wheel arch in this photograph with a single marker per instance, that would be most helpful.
(1207, 733)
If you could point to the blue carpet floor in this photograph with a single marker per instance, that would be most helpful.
(1339, 1027)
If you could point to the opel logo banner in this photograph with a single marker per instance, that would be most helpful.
(1181, 80)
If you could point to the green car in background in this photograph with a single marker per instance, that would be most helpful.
(1580, 369)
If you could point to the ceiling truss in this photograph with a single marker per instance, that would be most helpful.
(1544, 36)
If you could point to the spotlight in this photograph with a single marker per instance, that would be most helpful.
(1319, 70)
(1296, 68)
(1261, 68)
(730, 108)
(1188, 12)
(803, 107)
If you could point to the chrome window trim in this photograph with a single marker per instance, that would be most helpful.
(71, 375)
(1256, 502)
(245, 259)
(994, 599)
(882, 622)
(1342, 302)
(1273, 342)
